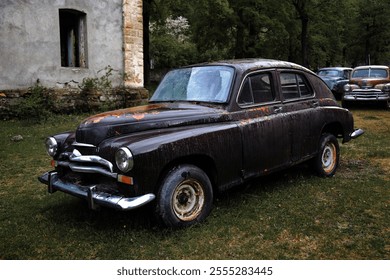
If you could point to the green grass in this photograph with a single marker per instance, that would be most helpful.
(288, 215)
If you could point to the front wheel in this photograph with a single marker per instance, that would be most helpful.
(327, 159)
(185, 197)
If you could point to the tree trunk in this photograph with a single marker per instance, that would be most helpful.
(300, 7)
(304, 40)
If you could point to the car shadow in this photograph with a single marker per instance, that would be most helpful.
(72, 212)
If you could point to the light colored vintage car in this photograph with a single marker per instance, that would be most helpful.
(207, 128)
(368, 84)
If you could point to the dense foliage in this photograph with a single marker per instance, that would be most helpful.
(314, 33)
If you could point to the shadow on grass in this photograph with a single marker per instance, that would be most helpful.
(70, 211)
(67, 211)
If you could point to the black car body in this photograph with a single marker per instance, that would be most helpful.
(207, 128)
(335, 78)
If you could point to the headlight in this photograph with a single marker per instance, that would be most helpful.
(51, 146)
(350, 87)
(386, 87)
(380, 86)
(124, 159)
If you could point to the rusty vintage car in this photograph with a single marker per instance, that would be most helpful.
(207, 128)
(335, 78)
(368, 84)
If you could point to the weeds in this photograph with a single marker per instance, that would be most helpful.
(35, 106)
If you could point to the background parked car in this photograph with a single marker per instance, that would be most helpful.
(335, 78)
(368, 84)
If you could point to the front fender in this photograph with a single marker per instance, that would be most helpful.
(154, 150)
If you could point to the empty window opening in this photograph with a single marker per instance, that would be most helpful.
(73, 33)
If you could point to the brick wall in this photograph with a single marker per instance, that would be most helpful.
(133, 43)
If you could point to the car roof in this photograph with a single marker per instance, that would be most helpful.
(256, 63)
(372, 66)
(335, 68)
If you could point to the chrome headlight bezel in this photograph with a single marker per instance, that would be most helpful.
(386, 87)
(51, 145)
(124, 159)
(350, 87)
(347, 87)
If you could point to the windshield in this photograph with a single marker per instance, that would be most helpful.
(330, 73)
(370, 73)
(203, 84)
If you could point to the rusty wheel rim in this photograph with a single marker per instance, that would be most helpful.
(188, 200)
(329, 157)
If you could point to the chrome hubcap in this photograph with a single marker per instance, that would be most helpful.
(329, 157)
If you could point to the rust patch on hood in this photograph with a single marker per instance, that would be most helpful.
(138, 116)
(138, 113)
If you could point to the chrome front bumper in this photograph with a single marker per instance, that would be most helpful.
(93, 197)
(366, 95)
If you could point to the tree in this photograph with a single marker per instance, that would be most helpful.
(314, 33)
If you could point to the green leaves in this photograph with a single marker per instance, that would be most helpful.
(316, 33)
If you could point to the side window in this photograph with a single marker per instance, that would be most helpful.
(294, 86)
(246, 97)
(303, 87)
(257, 89)
(73, 38)
(262, 88)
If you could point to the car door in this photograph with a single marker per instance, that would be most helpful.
(299, 105)
(262, 126)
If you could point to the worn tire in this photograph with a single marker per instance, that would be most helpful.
(327, 160)
(185, 197)
(386, 105)
(345, 104)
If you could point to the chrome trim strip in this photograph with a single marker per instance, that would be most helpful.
(83, 145)
(94, 197)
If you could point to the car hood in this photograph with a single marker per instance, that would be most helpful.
(95, 129)
(369, 82)
(330, 81)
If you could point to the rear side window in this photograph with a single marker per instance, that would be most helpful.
(257, 89)
(294, 85)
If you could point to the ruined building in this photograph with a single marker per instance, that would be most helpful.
(83, 53)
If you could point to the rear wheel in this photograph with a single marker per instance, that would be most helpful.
(327, 159)
(185, 197)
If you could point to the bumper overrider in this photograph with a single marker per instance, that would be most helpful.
(79, 164)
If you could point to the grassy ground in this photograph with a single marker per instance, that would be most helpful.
(289, 215)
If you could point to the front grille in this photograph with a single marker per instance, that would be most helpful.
(86, 163)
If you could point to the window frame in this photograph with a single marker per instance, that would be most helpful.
(271, 74)
(305, 80)
(73, 23)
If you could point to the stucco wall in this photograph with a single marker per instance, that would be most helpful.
(30, 42)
